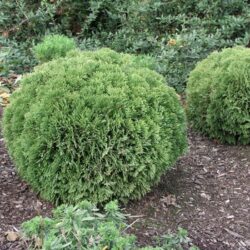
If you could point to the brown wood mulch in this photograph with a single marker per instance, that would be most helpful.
(207, 193)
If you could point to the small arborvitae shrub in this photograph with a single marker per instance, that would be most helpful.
(83, 227)
(96, 125)
(52, 47)
(218, 96)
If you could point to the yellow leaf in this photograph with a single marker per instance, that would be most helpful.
(172, 42)
(4, 99)
(5, 95)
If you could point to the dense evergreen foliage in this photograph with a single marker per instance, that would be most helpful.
(52, 47)
(218, 96)
(96, 125)
(178, 33)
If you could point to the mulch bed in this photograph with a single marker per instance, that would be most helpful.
(207, 193)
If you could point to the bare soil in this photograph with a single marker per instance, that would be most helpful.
(207, 193)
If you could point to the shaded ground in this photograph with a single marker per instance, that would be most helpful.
(209, 190)
(208, 193)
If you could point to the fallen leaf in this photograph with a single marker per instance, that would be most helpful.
(38, 242)
(4, 89)
(5, 95)
(4, 99)
(11, 236)
(38, 206)
(169, 200)
(172, 42)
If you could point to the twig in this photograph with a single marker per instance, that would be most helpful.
(130, 225)
(234, 234)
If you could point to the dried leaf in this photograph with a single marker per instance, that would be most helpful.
(38, 242)
(12, 236)
(4, 90)
(5, 95)
(4, 98)
(169, 200)
(172, 42)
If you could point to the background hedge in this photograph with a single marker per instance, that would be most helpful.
(196, 27)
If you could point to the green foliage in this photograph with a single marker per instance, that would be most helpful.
(199, 27)
(175, 61)
(33, 19)
(230, 18)
(4, 50)
(83, 227)
(80, 227)
(52, 47)
(26, 22)
(135, 26)
(16, 57)
(218, 96)
(96, 125)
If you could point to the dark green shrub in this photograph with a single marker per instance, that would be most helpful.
(52, 47)
(133, 26)
(199, 27)
(83, 227)
(15, 57)
(32, 19)
(218, 96)
(96, 125)
(178, 55)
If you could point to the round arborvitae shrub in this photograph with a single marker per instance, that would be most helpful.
(52, 47)
(95, 125)
(218, 96)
